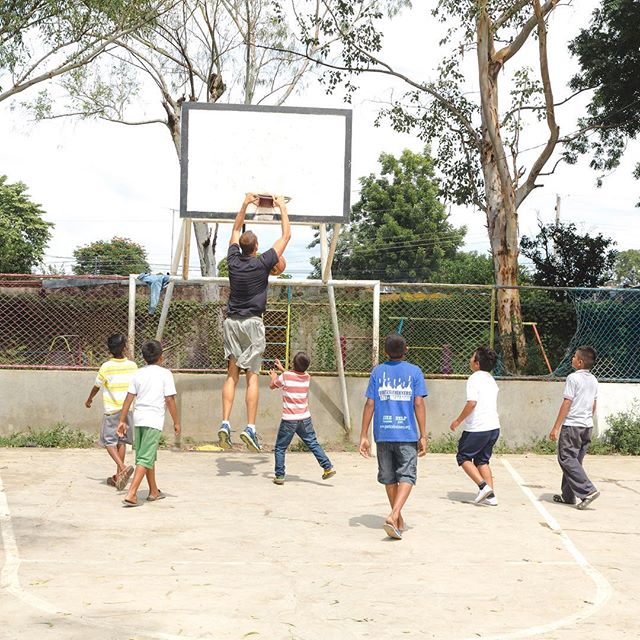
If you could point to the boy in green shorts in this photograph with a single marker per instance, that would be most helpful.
(153, 389)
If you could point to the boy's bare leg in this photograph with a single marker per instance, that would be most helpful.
(473, 472)
(154, 492)
(117, 456)
(485, 472)
(253, 382)
(139, 474)
(229, 388)
(397, 494)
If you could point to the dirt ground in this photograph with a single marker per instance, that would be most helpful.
(229, 554)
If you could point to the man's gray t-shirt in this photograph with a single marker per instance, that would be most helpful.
(581, 388)
(249, 279)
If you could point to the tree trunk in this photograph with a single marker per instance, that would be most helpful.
(502, 224)
(500, 196)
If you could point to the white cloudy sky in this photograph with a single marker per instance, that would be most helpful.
(96, 179)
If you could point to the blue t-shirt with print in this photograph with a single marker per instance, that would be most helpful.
(393, 386)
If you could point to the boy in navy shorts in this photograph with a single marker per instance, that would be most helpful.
(481, 428)
(395, 401)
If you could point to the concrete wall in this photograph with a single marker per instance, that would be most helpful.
(39, 399)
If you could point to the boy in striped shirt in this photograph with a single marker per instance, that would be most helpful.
(296, 418)
(113, 378)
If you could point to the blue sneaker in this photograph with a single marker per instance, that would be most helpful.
(224, 436)
(250, 438)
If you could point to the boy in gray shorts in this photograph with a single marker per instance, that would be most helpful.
(395, 401)
(113, 378)
(243, 329)
(573, 427)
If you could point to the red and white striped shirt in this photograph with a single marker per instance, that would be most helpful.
(295, 394)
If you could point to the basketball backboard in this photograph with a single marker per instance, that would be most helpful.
(301, 153)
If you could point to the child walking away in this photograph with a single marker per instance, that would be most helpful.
(113, 378)
(481, 428)
(395, 401)
(573, 428)
(153, 389)
(296, 418)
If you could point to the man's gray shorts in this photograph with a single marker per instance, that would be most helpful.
(108, 435)
(244, 341)
(397, 462)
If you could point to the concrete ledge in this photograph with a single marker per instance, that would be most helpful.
(39, 399)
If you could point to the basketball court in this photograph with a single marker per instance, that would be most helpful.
(230, 555)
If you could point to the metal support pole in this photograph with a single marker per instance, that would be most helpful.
(131, 335)
(324, 251)
(186, 248)
(169, 292)
(326, 270)
(375, 351)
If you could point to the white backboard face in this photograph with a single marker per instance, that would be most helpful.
(229, 150)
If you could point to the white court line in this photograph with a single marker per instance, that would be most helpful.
(10, 581)
(603, 588)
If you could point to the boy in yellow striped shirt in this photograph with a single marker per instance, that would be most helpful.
(113, 378)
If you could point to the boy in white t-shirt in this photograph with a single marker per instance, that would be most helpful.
(481, 428)
(153, 389)
(573, 427)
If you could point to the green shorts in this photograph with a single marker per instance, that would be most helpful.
(146, 444)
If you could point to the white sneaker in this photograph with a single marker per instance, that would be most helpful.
(482, 494)
(492, 502)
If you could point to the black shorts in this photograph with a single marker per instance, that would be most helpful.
(477, 446)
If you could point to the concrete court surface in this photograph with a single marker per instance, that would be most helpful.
(228, 554)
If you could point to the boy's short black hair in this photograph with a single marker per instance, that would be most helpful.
(116, 345)
(151, 351)
(588, 355)
(486, 358)
(301, 362)
(395, 346)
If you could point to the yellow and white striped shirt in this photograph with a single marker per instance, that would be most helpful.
(114, 377)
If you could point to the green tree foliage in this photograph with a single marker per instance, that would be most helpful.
(118, 256)
(467, 267)
(608, 52)
(23, 233)
(399, 229)
(564, 258)
(44, 39)
(626, 270)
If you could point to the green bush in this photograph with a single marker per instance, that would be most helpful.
(623, 435)
(59, 436)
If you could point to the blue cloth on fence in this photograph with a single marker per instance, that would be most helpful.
(157, 283)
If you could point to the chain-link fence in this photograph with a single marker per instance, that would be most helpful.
(63, 322)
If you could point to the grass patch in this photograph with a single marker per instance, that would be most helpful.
(60, 436)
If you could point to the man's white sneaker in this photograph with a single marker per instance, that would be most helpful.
(483, 493)
(492, 502)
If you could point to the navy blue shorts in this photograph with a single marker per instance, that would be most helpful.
(397, 462)
(477, 446)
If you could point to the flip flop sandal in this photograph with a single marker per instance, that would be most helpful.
(391, 531)
(123, 478)
(129, 504)
(160, 496)
(561, 500)
(111, 481)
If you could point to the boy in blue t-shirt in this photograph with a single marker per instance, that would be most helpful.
(395, 401)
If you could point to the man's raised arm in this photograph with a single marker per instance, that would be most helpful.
(250, 198)
(281, 243)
